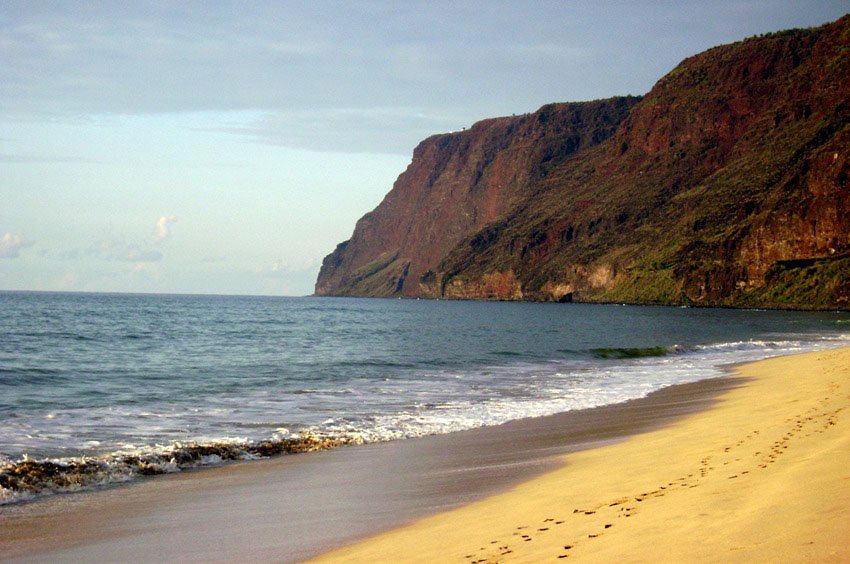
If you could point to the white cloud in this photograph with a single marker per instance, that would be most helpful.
(11, 244)
(140, 254)
(284, 268)
(163, 227)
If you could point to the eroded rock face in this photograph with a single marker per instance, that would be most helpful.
(456, 184)
(717, 184)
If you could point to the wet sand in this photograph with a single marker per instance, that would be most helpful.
(294, 507)
(763, 476)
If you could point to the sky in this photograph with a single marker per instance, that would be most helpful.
(227, 147)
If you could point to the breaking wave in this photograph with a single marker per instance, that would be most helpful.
(29, 478)
(615, 352)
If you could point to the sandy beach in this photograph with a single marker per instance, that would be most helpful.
(761, 477)
(750, 467)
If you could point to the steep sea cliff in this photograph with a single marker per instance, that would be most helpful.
(726, 184)
(456, 184)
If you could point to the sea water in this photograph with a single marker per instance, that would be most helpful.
(99, 388)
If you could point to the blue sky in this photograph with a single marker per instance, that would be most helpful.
(227, 147)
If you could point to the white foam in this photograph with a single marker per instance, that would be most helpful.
(556, 387)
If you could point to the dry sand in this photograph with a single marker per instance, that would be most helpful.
(764, 476)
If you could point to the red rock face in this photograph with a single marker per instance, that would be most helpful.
(456, 184)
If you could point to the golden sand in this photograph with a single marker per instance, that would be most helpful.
(764, 476)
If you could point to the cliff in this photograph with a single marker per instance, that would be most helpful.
(725, 185)
(456, 184)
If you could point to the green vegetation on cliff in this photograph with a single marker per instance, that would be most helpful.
(807, 283)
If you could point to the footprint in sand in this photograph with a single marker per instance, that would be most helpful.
(566, 547)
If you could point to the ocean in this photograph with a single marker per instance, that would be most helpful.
(103, 388)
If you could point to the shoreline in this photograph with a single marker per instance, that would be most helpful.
(760, 476)
(294, 507)
(741, 307)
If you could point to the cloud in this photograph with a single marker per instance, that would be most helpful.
(279, 267)
(125, 252)
(71, 60)
(138, 254)
(11, 244)
(152, 57)
(363, 130)
(163, 227)
(284, 268)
